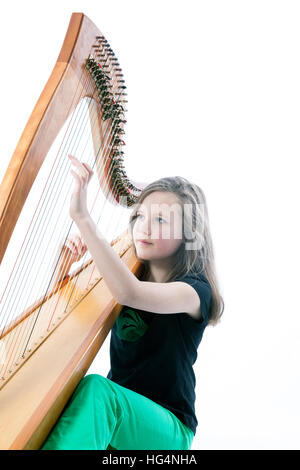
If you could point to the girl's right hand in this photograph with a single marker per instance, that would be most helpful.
(73, 249)
(68, 253)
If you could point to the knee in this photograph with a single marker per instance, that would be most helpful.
(88, 386)
(95, 383)
(92, 377)
(92, 380)
(100, 388)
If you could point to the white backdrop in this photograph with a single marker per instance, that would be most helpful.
(213, 95)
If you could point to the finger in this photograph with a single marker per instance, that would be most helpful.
(83, 245)
(79, 242)
(91, 173)
(82, 177)
(84, 171)
(77, 178)
(87, 173)
(88, 168)
(80, 245)
(72, 246)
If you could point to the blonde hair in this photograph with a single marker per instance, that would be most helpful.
(188, 261)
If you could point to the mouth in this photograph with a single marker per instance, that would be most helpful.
(144, 242)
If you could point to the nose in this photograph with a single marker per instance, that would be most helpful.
(145, 226)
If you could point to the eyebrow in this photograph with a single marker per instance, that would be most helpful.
(156, 213)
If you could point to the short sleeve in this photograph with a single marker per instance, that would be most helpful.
(203, 289)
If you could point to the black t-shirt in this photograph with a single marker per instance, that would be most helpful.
(153, 354)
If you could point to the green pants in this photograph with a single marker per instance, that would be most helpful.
(102, 414)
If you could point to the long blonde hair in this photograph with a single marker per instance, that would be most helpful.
(188, 261)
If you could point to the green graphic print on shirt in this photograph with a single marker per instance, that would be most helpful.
(130, 326)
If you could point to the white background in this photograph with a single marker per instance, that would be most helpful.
(213, 91)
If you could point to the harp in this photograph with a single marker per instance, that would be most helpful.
(50, 334)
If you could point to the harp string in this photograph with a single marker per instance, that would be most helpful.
(10, 348)
(65, 159)
(35, 316)
(25, 256)
(108, 149)
(49, 306)
(101, 212)
(18, 257)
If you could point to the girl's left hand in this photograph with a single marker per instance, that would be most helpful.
(78, 205)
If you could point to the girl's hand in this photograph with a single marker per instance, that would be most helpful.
(74, 249)
(78, 205)
(69, 252)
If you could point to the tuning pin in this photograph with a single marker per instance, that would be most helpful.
(119, 142)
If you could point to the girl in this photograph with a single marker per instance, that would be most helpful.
(147, 400)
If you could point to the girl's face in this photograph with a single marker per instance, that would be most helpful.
(159, 221)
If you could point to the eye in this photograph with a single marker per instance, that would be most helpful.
(159, 218)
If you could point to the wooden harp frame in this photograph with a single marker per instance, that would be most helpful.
(34, 395)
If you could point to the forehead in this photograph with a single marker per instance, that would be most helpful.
(160, 200)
